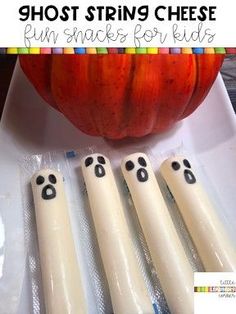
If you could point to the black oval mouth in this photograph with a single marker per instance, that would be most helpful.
(99, 171)
(142, 175)
(48, 192)
(189, 176)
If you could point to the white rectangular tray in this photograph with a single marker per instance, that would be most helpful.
(30, 126)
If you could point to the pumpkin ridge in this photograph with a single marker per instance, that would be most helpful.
(157, 111)
(175, 69)
(127, 110)
(196, 74)
(206, 76)
(93, 116)
(183, 115)
(107, 111)
(153, 85)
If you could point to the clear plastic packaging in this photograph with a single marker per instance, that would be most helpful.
(12, 250)
(12, 258)
(216, 250)
(94, 280)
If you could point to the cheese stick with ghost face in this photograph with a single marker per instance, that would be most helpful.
(62, 286)
(213, 245)
(126, 284)
(174, 270)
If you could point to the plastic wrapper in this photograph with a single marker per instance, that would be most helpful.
(97, 295)
(94, 279)
(12, 249)
(138, 241)
(199, 213)
(80, 231)
(12, 261)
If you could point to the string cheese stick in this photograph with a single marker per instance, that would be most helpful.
(174, 270)
(62, 286)
(127, 287)
(213, 245)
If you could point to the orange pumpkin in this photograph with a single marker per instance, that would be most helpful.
(122, 95)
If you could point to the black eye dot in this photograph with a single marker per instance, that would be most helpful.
(101, 160)
(129, 165)
(186, 163)
(40, 180)
(88, 161)
(142, 162)
(52, 179)
(175, 165)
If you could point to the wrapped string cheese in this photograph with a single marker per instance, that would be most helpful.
(128, 290)
(63, 291)
(174, 270)
(214, 246)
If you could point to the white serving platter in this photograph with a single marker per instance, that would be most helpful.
(30, 126)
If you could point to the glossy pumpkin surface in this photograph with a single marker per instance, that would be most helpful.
(122, 95)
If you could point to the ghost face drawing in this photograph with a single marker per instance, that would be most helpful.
(138, 164)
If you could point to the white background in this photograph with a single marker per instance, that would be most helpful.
(208, 303)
